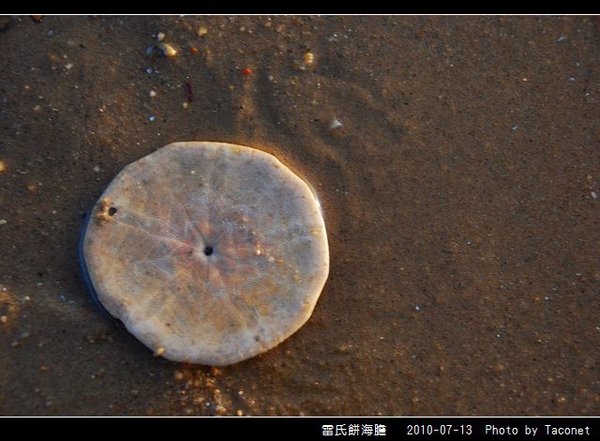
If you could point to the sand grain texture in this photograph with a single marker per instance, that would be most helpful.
(458, 196)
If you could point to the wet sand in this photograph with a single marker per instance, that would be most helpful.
(460, 194)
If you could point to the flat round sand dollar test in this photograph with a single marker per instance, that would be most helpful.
(208, 252)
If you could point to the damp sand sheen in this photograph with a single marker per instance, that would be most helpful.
(209, 253)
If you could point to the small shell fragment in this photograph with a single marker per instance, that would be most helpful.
(308, 58)
(167, 49)
(335, 124)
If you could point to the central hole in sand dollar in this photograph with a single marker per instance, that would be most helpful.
(208, 250)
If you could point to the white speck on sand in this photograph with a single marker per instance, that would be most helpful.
(335, 124)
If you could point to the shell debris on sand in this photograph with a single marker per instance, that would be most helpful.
(335, 124)
(208, 252)
(202, 31)
(163, 47)
(9, 308)
(167, 49)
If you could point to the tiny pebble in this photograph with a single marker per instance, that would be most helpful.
(148, 70)
(3, 319)
(308, 58)
(594, 195)
(202, 31)
(239, 412)
(96, 168)
(185, 104)
(69, 66)
(152, 118)
(167, 50)
(561, 39)
(2, 167)
(152, 93)
(335, 124)
(160, 36)
(417, 308)
(3, 221)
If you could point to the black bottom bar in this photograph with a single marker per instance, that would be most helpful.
(324, 428)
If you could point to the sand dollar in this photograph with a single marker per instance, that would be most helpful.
(208, 252)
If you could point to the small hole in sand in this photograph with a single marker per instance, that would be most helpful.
(208, 250)
(112, 211)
